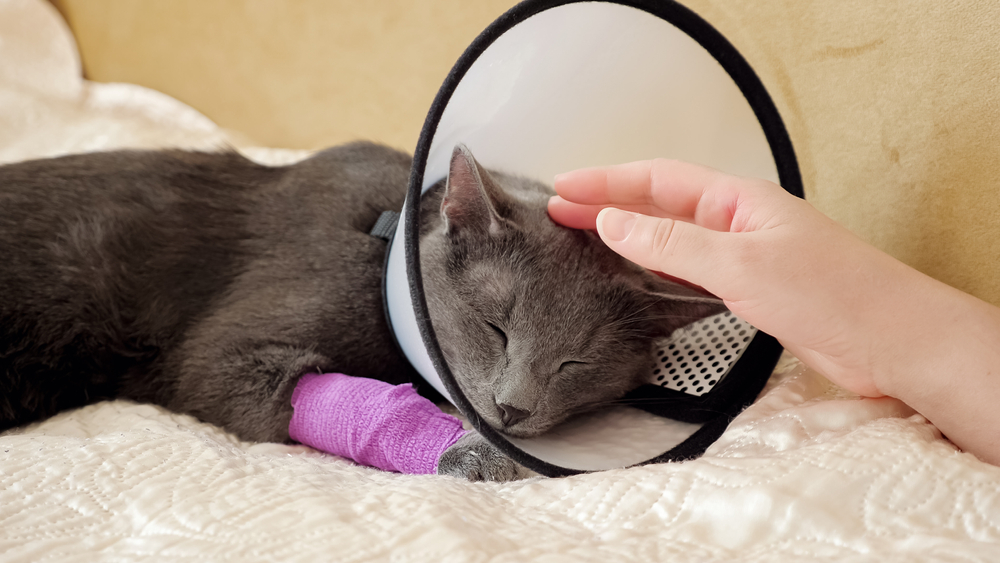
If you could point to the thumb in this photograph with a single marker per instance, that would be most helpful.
(673, 247)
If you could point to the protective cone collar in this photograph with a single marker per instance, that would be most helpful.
(554, 85)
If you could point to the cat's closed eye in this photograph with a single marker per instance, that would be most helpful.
(500, 333)
(570, 364)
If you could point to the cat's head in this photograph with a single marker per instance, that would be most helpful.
(536, 321)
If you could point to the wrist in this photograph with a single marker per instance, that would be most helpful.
(951, 374)
(928, 334)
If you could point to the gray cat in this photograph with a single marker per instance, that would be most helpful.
(209, 284)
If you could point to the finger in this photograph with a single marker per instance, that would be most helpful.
(586, 186)
(573, 215)
(677, 248)
(580, 216)
(667, 183)
(682, 190)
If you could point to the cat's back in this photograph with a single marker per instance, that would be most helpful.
(341, 188)
(150, 214)
(103, 225)
(42, 196)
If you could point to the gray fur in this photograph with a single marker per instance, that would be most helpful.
(201, 282)
(208, 284)
(475, 459)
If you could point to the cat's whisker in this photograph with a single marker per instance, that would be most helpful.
(660, 317)
(637, 321)
(646, 401)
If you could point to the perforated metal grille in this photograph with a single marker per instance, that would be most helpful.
(696, 357)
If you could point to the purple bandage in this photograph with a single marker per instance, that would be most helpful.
(372, 422)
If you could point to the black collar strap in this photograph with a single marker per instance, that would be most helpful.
(385, 226)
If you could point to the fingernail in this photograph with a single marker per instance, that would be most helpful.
(615, 224)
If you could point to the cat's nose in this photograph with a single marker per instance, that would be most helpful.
(510, 416)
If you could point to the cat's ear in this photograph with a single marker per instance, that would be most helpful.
(674, 305)
(472, 200)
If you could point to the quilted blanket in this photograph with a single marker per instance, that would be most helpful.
(809, 472)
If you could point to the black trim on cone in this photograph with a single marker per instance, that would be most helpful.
(749, 375)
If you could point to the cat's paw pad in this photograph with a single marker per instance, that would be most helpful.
(475, 459)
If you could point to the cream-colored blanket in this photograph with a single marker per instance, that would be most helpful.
(808, 473)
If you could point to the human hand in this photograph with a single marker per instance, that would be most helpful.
(776, 261)
(860, 317)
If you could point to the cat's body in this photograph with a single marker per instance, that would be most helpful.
(201, 282)
(208, 284)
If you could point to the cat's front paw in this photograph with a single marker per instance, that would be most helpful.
(472, 457)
